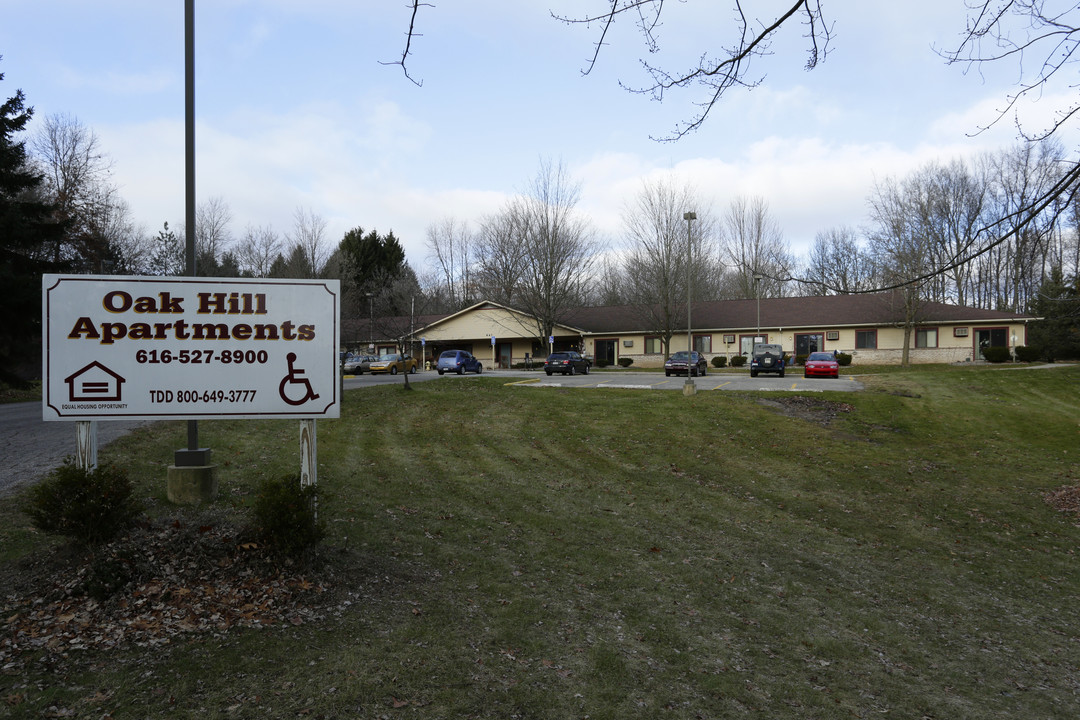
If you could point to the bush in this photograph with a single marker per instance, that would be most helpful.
(90, 506)
(602, 363)
(285, 514)
(844, 359)
(719, 361)
(738, 360)
(996, 354)
(1027, 353)
(800, 359)
(626, 362)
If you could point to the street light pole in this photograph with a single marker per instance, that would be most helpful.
(689, 388)
(757, 292)
(370, 324)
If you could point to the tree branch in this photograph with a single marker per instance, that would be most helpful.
(412, 33)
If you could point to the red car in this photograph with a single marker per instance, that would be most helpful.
(821, 364)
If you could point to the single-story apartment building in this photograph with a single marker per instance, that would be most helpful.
(869, 326)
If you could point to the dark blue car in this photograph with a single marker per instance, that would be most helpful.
(458, 361)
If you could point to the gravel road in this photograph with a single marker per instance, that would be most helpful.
(31, 447)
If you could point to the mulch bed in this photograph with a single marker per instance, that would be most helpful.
(157, 583)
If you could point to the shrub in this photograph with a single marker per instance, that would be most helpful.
(844, 359)
(1027, 353)
(800, 359)
(602, 363)
(719, 361)
(738, 360)
(285, 515)
(996, 354)
(626, 362)
(90, 506)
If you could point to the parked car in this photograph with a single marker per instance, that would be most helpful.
(767, 358)
(677, 364)
(821, 364)
(458, 361)
(358, 364)
(567, 363)
(394, 363)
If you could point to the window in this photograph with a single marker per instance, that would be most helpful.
(653, 345)
(703, 343)
(866, 339)
(926, 338)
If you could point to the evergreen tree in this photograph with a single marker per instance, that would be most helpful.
(27, 235)
(1057, 303)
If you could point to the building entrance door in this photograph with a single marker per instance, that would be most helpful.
(605, 352)
(808, 343)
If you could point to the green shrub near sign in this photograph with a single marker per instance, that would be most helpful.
(89, 506)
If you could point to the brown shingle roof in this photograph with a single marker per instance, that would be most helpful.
(876, 309)
(869, 310)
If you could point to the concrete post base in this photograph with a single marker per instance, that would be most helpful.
(192, 484)
(690, 388)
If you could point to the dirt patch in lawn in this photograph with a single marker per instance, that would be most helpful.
(811, 409)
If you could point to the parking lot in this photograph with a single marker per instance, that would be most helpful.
(791, 382)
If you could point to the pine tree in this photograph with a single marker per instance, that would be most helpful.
(28, 233)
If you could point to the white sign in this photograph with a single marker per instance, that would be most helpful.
(188, 348)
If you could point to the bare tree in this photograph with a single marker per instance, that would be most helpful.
(948, 202)
(751, 243)
(212, 236)
(667, 263)
(500, 252)
(450, 244)
(77, 181)
(308, 253)
(542, 237)
(838, 264)
(258, 249)
(1018, 177)
(902, 253)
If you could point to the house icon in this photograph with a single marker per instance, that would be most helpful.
(94, 382)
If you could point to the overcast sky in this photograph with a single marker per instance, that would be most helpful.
(295, 110)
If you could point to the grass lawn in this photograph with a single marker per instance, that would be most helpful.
(504, 551)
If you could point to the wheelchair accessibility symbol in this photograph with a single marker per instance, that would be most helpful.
(295, 389)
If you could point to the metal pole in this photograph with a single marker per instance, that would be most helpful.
(370, 325)
(757, 292)
(689, 387)
(193, 456)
